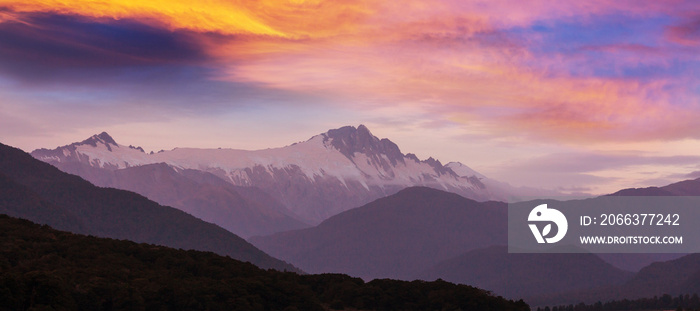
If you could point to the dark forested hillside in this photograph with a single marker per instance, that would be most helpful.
(46, 269)
(663, 302)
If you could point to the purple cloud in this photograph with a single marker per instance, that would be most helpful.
(47, 46)
(686, 33)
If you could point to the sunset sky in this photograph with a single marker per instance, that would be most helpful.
(580, 96)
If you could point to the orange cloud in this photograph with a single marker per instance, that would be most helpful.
(465, 78)
(220, 16)
(285, 18)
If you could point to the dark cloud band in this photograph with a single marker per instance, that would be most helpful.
(39, 46)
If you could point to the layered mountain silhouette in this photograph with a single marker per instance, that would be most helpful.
(424, 233)
(682, 188)
(635, 262)
(417, 218)
(37, 191)
(393, 237)
(526, 275)
(315, 179)
(658, 274)
(675, 277)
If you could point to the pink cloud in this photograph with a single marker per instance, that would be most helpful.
(687, 33)
(452, 59)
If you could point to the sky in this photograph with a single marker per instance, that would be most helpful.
(578, 96)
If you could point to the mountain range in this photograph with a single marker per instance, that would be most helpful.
(329, 173)
(429, 234)
(416, 218)
(39, 192)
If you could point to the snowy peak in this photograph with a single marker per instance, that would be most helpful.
(383, 154)
(382, 159)
(100, 150)
(102, 138)
(350, 140)
(106, 140)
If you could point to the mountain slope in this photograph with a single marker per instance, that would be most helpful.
(682, 188)
(674, 277)
(635, 262)
(38, 191)
(678, 276)
(392, 237)
(323, 176)
(245, 211)
(526, 275)
(658, 274)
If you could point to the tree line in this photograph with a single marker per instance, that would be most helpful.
(665, 302)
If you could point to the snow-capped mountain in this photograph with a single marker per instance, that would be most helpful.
(325, 175)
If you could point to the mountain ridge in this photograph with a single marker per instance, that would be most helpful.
(329, 173)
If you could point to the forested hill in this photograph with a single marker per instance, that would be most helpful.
(42, 268)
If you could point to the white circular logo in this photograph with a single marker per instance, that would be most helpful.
(542, 213)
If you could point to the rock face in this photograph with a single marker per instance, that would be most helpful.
(323, 176)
